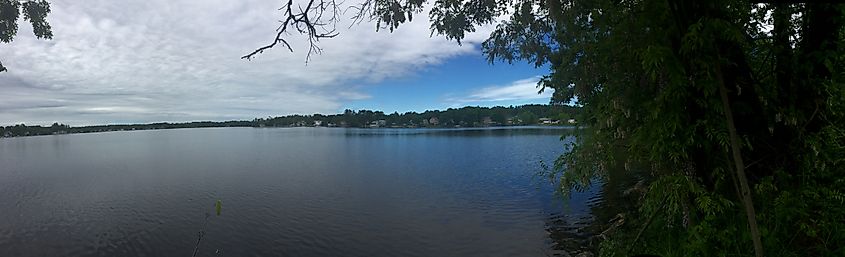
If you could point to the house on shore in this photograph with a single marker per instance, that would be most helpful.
(434, 121)
(378, 123)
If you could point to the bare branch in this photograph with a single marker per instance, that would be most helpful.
(362, 12)
(318, 19)
(281, 30)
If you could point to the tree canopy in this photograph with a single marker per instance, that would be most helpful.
(730, 112)
(34, 11)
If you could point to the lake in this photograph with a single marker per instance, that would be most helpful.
(286, 192)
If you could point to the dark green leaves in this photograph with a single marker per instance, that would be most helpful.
(528, 35)
(9, 12)
(454, 18)
(33, 11)
(392, 13)
(36, 13)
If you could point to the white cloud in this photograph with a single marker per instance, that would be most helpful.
(520, 90)
(179, 60)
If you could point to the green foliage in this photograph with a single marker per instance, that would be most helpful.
(36, 13)
(9, 12)
(659, 113)
(454, 18)
(648, 74)
(33, 11)
(391, 13)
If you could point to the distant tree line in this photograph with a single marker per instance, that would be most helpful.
(57, 128)
(452, 117)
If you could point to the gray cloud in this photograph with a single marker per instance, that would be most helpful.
(178, 60)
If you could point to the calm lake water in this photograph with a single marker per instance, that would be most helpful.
(286, 192)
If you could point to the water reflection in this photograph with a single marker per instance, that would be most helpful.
(296, 192)
(577, 232)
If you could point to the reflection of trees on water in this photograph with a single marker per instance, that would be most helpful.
(460, 132)
(570, 234)
(574, 233)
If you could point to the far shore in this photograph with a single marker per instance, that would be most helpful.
(122, 128)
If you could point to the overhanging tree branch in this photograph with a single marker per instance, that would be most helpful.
(34, 11)
(316, 20)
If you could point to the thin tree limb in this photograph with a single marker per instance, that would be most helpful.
(317, 20)
(740, 167)
(647, 223)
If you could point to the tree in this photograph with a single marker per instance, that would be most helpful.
(736, 129)
(34, 11)
(527, 118)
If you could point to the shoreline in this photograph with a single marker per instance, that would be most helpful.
(558, 127)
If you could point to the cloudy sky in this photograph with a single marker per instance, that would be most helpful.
(179, 60)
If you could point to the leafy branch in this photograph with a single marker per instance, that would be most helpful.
(33, 11)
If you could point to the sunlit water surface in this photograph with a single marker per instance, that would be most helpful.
(285, 192)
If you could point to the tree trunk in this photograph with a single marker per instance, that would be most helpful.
(783, 49)
(740, 167)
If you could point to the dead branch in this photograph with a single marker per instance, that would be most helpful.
(317, 20)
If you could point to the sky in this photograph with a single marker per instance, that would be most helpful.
(140, 61)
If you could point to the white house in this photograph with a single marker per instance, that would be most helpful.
(434, 121)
